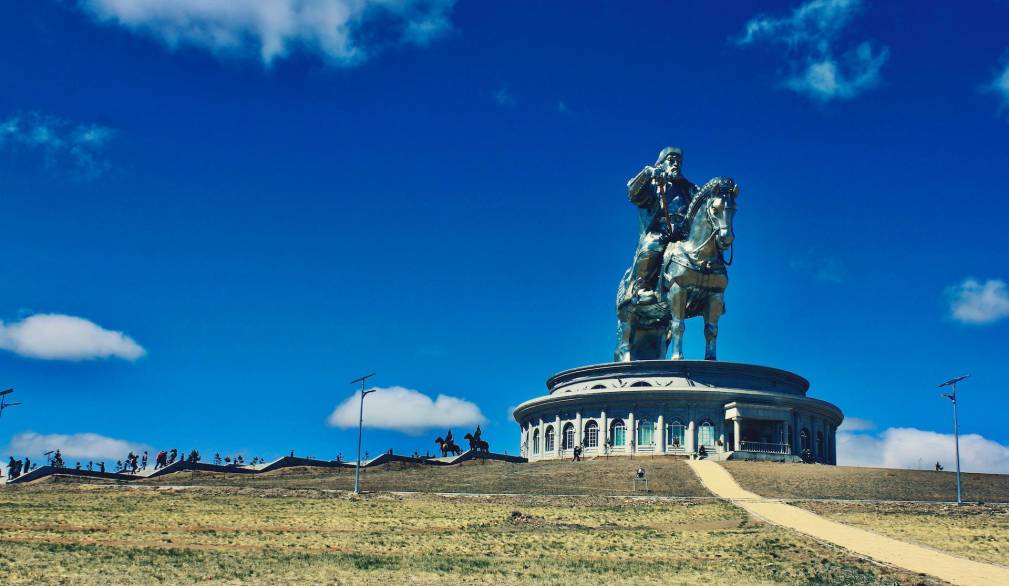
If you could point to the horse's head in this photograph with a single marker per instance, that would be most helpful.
(720, 208)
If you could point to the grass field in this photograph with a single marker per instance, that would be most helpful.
(107, 535)
(667, 477)
(979, 532)
(844, 482)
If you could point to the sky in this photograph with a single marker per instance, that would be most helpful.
(218, 214)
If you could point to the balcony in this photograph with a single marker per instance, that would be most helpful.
(765, 447)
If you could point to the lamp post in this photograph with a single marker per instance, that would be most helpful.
(3, 400)
(956, 428)
(360, 426)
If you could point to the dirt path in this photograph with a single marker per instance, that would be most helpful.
(915, 558)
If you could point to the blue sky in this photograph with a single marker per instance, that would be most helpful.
(266, 205)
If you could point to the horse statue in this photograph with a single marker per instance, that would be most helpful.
(694, 275)
(448, 446)
(475, 443)
(642, 329)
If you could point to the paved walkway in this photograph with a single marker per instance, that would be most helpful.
(912, 557)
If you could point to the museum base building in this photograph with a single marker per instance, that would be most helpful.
(674, 407)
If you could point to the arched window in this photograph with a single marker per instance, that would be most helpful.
(646, 433)
(592, 435)
(804, 439)
(674, 434)
(536, 441)
(641, 383)
(706, 434)
(819, 445)
(568, 439)
(618, 432)
(598, 387)
(549, 447)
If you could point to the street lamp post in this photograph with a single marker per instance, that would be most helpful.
(956, 428)
(360, 426)
(3, 400)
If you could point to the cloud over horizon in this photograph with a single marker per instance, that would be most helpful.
(407, 411)
(59, 141)
(341, 32)
(91, 446)
(810, 38)
(973, 302)
(1000, 86)
(52, 336)
(911, 448)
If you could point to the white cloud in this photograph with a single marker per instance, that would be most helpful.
(342, 32)
(973, 302)
(52, 336)
(810, 37)
(59, 140)
(90, 446)
(856, 424)
(1000, 85)
(504, 97)
(900, 447)
(406, 410)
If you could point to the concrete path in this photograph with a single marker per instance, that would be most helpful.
(916, 558)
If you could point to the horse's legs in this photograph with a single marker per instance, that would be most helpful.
(677, 309)
(716, 305)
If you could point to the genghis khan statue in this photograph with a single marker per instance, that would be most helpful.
(679, 270)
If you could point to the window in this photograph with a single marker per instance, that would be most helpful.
(674, 434)
(536, 441)
(592, 435)
(617, 432)
(819, 445)
(568, 440)
(646, 433)
(642, 383)
(706, 434)
(549, 447)
(804, 439)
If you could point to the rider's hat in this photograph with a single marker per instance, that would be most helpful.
(669, 150)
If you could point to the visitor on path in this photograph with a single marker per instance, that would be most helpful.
(58, 460)
(119, 466)
(78, 466)
(938, 467)
(91, 465)
(143, 463)
(10, 468)
(101, 467)
(577, 454)
(702, 453)
(28, 465)
(134, 465)
(217, 459)
(641, 473)
(173, 455)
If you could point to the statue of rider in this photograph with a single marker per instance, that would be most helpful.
(662, 195)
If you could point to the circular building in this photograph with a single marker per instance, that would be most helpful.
(673, 407)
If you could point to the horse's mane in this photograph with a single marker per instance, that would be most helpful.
(713, 186)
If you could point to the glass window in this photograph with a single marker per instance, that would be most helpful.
(568, 440)
(617, 434)
(550, 440)
(675, 434)
(592, 435)
(536, 441)
(646, 433)
(706, 434)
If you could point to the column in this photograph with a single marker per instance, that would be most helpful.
(736, 434)
(632, 437)
(579, 438)
(604, 431)
(542, 439)
(796, 442)
(833, 445)
(557, 436)
(690, 439)
(660, 442)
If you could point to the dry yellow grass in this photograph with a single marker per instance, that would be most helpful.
(978, 532)
(90, 535)
(776, 480)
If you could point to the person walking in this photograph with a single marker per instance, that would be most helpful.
(143, 463)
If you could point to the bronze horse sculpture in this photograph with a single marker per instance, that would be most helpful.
(477, 444)
(448, 446)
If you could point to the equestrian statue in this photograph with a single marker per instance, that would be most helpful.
(679, 269)
(448, 445)
(475, 443)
